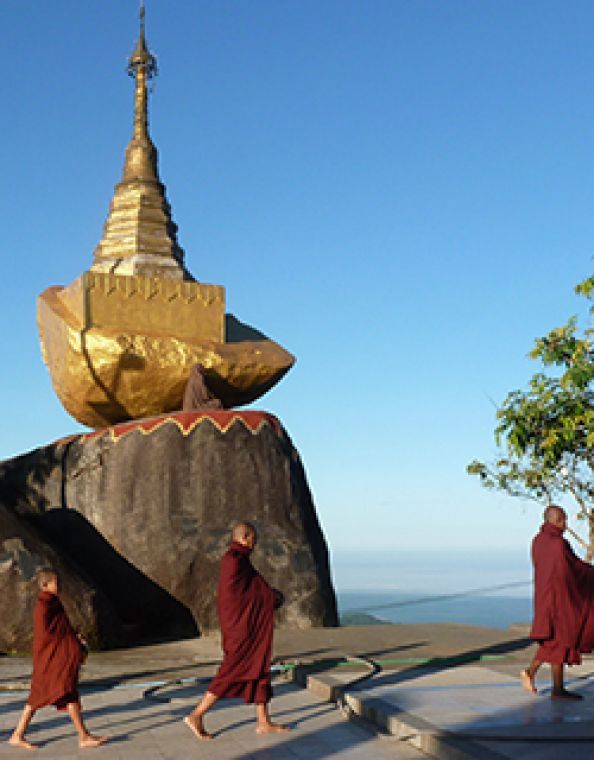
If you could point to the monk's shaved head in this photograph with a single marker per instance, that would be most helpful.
(243, 531)
(555, 515)
(45, 576)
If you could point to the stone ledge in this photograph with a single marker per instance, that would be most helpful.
(402, 725)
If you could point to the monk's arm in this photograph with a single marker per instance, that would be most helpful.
(237, 574)
(50, 621)
(56, 623)
(583, 571)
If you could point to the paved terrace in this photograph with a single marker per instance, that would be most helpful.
(448, 691)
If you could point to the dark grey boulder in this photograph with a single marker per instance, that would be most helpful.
(23, 552)
(147, 517)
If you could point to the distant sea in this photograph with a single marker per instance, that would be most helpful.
(472, 587)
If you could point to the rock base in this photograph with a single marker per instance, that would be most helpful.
(136, 518)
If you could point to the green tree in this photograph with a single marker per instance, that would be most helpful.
(546, 433)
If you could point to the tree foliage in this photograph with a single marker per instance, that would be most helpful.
(546, 433)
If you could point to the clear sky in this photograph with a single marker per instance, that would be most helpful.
(400, 193)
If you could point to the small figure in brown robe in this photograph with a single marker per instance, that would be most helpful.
(197, 395)
(58, 652)
(245, 605)
(563, 621)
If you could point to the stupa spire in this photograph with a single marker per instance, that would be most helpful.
(139, 236)
(142, 66)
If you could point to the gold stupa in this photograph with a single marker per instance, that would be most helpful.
(120, 341)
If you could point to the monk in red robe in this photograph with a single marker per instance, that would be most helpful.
(245, 605)
(197, 394)
(563, 621)
(58, 653)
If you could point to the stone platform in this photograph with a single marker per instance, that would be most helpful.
(474, 712)
(140, 696)
(451, 691)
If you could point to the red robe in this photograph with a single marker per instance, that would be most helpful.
(245, 603)
(563, 599)
(57, 655)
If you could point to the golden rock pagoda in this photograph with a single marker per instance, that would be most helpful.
(120, 341)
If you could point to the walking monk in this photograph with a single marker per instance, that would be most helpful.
(58, 653)
(245, 605)
(563, 621)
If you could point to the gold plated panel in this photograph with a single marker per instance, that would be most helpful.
(105, 376)
(147, 304)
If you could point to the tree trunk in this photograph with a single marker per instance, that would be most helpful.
(590, 551)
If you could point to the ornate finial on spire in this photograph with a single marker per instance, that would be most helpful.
(141, 59)
(142, 65)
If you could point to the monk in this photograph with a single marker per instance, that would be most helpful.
(245, 605)
(197, 394)
(563, 621)
(58, 653)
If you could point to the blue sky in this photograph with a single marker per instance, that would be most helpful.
(400, 193)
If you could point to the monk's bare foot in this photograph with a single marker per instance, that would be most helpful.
(271, 728)
(19, 741)
(564, 694)
(528, 681)
(91, 741)
(196, 727)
